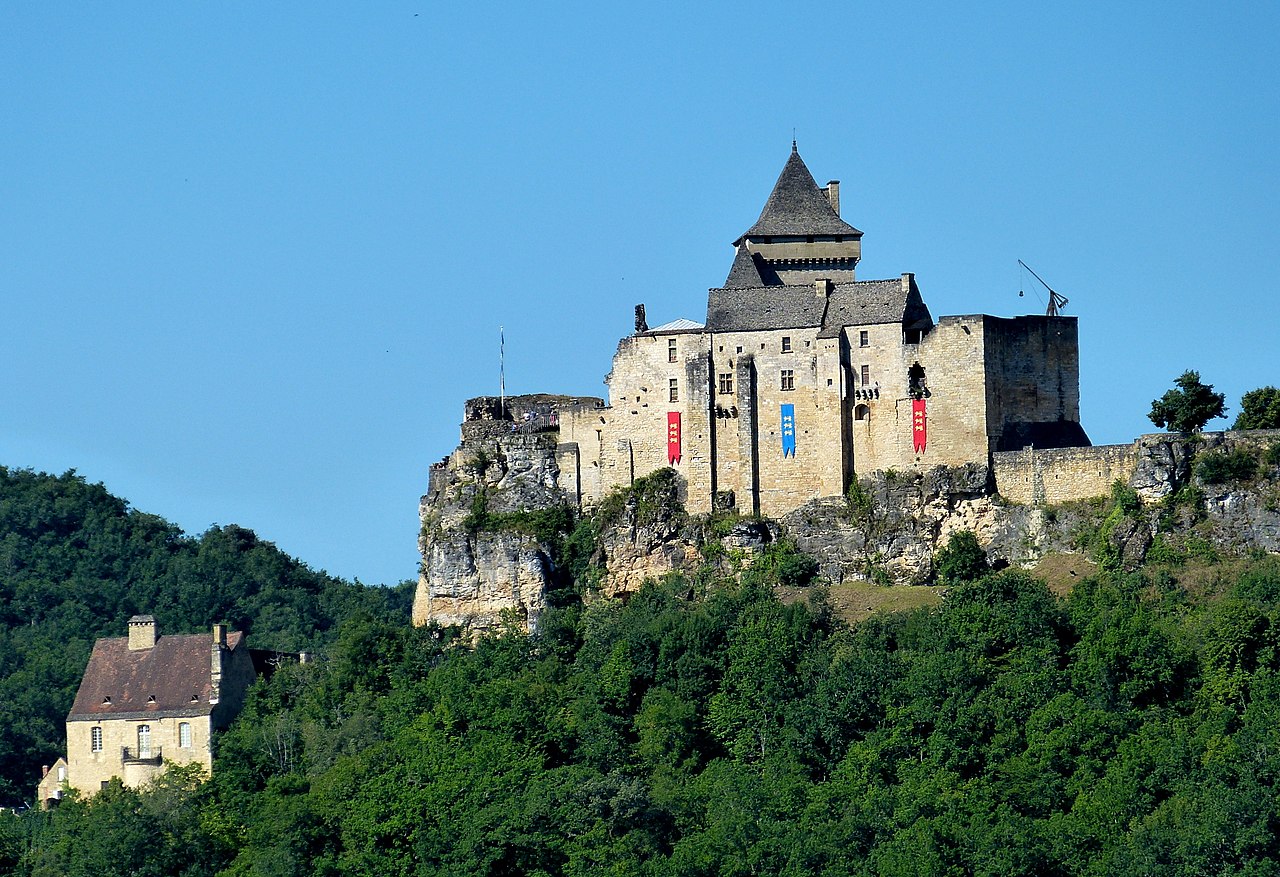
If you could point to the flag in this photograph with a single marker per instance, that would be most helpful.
(788, 430)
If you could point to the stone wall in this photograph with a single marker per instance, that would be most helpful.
(88, 770)
(1056, 475)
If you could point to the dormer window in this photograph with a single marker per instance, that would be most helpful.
(151, 699)
(106, 701)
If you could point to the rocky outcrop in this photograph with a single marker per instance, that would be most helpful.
(892, 525)
(484, 567)
(478, 570)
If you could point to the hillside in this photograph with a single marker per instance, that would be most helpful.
(703, 725)
(77, 562)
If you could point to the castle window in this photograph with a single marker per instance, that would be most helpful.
(674, 388)
(917, 388)
(726, 383)
(788, 379)
(786, 343)
(671, 350)
(144, 741)
(866, 375)
(862, 412)
(863, 340)
(95, 739)
(184, 735)
(739, 349)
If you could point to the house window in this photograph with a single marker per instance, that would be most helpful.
(674, 389)
(786, 343)
(863, 340)
(866, 375)
(184, 735)
(95, 739)
(671, 350)
(726, 383)
(144, 741)
(788, 379)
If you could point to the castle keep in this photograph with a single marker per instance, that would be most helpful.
(803, 376)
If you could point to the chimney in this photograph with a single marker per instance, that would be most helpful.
(833, 195)
(215, 663)
(142, 633)
(822, 287)
(642, 325)
(44, 771)
(907, 279)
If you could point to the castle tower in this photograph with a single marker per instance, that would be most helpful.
(799, 237)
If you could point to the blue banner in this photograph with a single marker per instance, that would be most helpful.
(788, 430)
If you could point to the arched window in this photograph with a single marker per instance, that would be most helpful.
(862, 412)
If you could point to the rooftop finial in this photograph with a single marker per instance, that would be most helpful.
(793, 140)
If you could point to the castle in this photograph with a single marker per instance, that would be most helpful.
(802, 376)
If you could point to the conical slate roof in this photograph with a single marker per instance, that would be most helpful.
(796, 206)
(749, 270)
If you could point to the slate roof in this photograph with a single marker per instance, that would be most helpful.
(748, 269)
(176, 671)
(856, 303)
(871, 302)
(796, 206)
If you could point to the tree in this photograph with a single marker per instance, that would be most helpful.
(961, 559)
(1259, 409)
(1189, 407)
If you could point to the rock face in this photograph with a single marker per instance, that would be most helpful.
(890, 529)
(482, 570)
(474, 574)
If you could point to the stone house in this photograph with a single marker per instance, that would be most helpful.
(148, 700)
(803, 377)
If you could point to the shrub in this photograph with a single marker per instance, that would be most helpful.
(961, 560)
(1217, 467)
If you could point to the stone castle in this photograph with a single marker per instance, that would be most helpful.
(801, 379)
(802, 376)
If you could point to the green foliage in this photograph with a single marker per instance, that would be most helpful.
(961, 560)
(1188, 407)
(1259, 409)
(1220, 467)
(1132, 728)
(651, 500)
(77, 562)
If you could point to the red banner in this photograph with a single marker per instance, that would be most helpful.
(673, 437)
(919, 425)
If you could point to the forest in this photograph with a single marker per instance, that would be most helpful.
(702, 727)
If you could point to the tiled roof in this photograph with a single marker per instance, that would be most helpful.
(856, 303)
(763, 307)
(871, 302)
(119, 683)
(796, 206)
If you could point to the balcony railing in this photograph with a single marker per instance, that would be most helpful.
(133, 756)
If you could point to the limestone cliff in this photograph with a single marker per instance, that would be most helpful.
(486, 564)
(478, 570)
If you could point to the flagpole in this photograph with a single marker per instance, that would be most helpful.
(502, 371)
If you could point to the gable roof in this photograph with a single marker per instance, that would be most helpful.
(856, 303)
(796, 206)
(176, 671)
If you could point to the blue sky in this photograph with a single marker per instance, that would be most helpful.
(255, 260)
